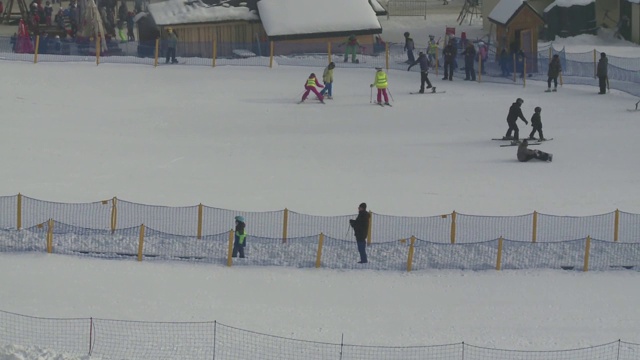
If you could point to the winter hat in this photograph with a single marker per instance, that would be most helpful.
(240, 218)
(332, 65)
(363, 206)
(520, 101)
(406, 34)
(603, 55)
(537, 109)
(420, 53)
(312, 75)
(378, 69)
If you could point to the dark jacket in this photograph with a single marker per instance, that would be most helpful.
(554, 68)
(524, 153)
(408, 43)
(603, 64)
(361, 225)
(423, 60)
(536, 121)
(449, 53)
(515, 112)
(240, 234)
(469, 53)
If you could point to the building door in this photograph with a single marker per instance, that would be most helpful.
(526, 44)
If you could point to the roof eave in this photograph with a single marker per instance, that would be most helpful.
(325, 34)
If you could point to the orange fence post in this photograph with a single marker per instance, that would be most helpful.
(616, 225)
(453, 227)
(19, 214)
(156, 53)
(114, 214)
(411, 250)
(141, 243)
(534, 236)
(587, 249)
(35, 52)
(271, 54)
(50, 236)
(319, 253)
(499, 258)
(200, 211)
(230, 252)
(369, 229)
(285, 225)
(215, 53)
(329, 51)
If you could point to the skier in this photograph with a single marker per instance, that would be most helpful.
(432, 49)
(449, 53)
(603, 64)
(352, 47)
(536, 122)
(361, 227)
(554, 71)
(515, 113)
(525, 154)
(408, 47)
(380, 82)
(310, 85)
(327, 78)
(469, 57)
(240, 238)
(424, 71)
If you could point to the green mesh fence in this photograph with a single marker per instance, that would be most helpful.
(116, 339)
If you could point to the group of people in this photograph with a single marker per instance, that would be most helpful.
(312, 83)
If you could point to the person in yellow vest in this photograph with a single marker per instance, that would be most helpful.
(380, 82)
(310, 85)
(240, 240)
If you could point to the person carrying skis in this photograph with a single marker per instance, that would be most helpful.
(310, 85)
(424, 71)
(409, 46)
(449, 54)
(327, 78)
(240, 239)
(352, 46)
(380, 82)
(536, 122)
(554, 71)
(515, 113)
(469, 57)
(525, 154)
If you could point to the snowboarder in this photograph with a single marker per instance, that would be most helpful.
(172, 42)
(525, 154)
(310, 85)
(352, 46)
(240, 238)
(380, 82)
(515, 113)
(424, 71)
(536, 122)
(408, 47)
(469, 57)
(601, 72)
(554, 71)
(327, 78)
(449, 54)
(361, 229)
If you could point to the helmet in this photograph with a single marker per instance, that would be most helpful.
(406, 34)
(312, 75)
(431, 36)
(537, 109)
(519, 101)
(240, 218)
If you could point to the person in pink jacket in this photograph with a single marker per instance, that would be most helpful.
(310, 85)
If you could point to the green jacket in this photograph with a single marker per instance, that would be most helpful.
(327, 75)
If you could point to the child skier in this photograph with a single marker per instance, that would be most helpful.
(380, 82)
(327, 78)
(310, 85)
(536, 122)
(525, 154)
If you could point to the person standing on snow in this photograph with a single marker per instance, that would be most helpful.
(361, 229)
(469, 57)
(525, 154)
(536, 122)
(424, 71)
(327, 78)
(602, 73)
(554, 71)
(408, 47)
(172, 43)
(449, 54)
(515, 113)
(310, 85)
(240, 239)
(380, 82)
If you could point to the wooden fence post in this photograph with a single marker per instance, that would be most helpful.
(285, 225)
(534, 236)
(587, 249)
(499, 258)
(369, 229)
(616, 225)
(114, 214)
(50, 236)
(156, 53)
(329, 51)
(386, 55)
(97, 50)
(35, 52)
(453, 227)
(437, 51)
(141, 243)
(319, 253)
(271, 54)
(200, 211)
(230, 252)
(479, 67)
(411, 250)
(19, 214)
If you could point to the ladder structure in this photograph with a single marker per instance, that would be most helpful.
(470, 9)
(9, 13)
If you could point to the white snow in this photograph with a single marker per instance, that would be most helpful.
(293, 17)
(170, 12)
(233, 137)
(568, 3)
(376, 6)
(504, 10)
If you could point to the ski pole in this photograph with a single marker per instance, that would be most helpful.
(391, 95)
(371, 95)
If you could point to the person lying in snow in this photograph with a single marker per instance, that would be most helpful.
(525, 154)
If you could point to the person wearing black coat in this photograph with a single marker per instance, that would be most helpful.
(361, 229)
(515, 113)
(469, 57)
(424, 71)
(449, 52)
(602, 73)
(536, 122)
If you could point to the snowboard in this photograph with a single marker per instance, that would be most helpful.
(427, 92)
(547, 139)
(517, 143)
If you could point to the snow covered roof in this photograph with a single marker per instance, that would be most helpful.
(380, 10)
(172, 12)
(506, 9)
(569, 3)
(290, 19)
